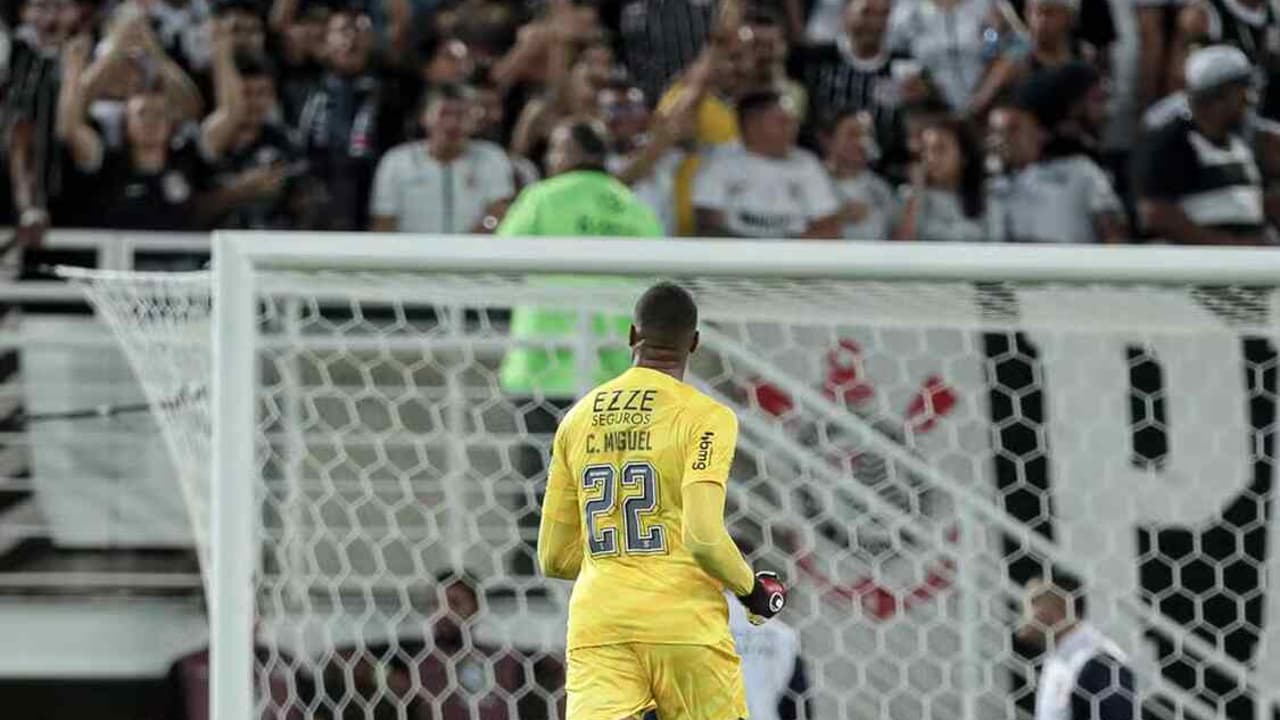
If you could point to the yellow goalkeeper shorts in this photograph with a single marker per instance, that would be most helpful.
(684, 682)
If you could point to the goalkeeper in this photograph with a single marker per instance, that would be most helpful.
(634, 512)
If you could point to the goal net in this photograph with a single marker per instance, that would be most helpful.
(362, 434)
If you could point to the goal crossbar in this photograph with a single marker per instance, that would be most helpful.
(787, 259)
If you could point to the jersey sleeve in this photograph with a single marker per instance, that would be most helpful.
(522, 217)
(559, 532)
(710, 446)
(707, 539)
(383, 202)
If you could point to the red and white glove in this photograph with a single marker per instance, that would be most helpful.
(767, 597)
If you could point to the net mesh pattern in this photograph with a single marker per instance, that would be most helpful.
(911, 455)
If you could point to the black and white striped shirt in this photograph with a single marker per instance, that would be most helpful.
(837, 81)
(32, 97)
(1218, 186)
(660, 38)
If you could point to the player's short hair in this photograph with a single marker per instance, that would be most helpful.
(666, 311)
(754, 103)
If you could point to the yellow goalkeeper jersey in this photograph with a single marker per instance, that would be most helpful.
(624, 452)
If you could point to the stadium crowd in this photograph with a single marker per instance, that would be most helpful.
(858, 119)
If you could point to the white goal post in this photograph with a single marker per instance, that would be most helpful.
(924, 427)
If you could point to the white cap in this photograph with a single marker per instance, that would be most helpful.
(1215, 66)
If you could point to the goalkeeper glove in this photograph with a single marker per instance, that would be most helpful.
(767, 597)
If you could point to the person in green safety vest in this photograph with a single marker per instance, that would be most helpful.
(541, 382)
(580, 199)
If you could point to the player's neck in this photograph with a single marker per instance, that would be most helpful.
(673, 366)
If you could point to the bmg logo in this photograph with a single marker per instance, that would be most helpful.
(703, 459)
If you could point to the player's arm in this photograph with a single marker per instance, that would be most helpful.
(707, 539)
(708, 456)
(560, 532)
(706, 473)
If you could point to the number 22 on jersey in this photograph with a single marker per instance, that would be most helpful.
(603, 485)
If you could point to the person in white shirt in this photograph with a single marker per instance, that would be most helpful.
(868, 203)
(944, 202)
(947, 38)
(766, 187)
(445, 184)
(1047, 199)
(1085, 675)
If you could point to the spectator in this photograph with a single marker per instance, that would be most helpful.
(487, 27)
(545, 47)
(450, 675)
(6, 195)
(31, 104)
(348, 119)
(252, 154)
(858, 71)
(765, 56)
(767, 187)
(487, 121)
(947, 38)
(711, 86)
(129, 58)
(179, 29)
(868, 201)
(243, 24)
(568, 96)
(152, 181)
(488, 114)
(822, 27)
(301, 54)
(391, 37)
(446, 183)
(446, 61)
(1248, 25)
(644, 151)
(1093, 32)
(1051, 23)
(1085, 675)
(1046, 199)
(1198, 182)
(661, 39)
(1073, 110)
(713, 83)
(945, 199)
